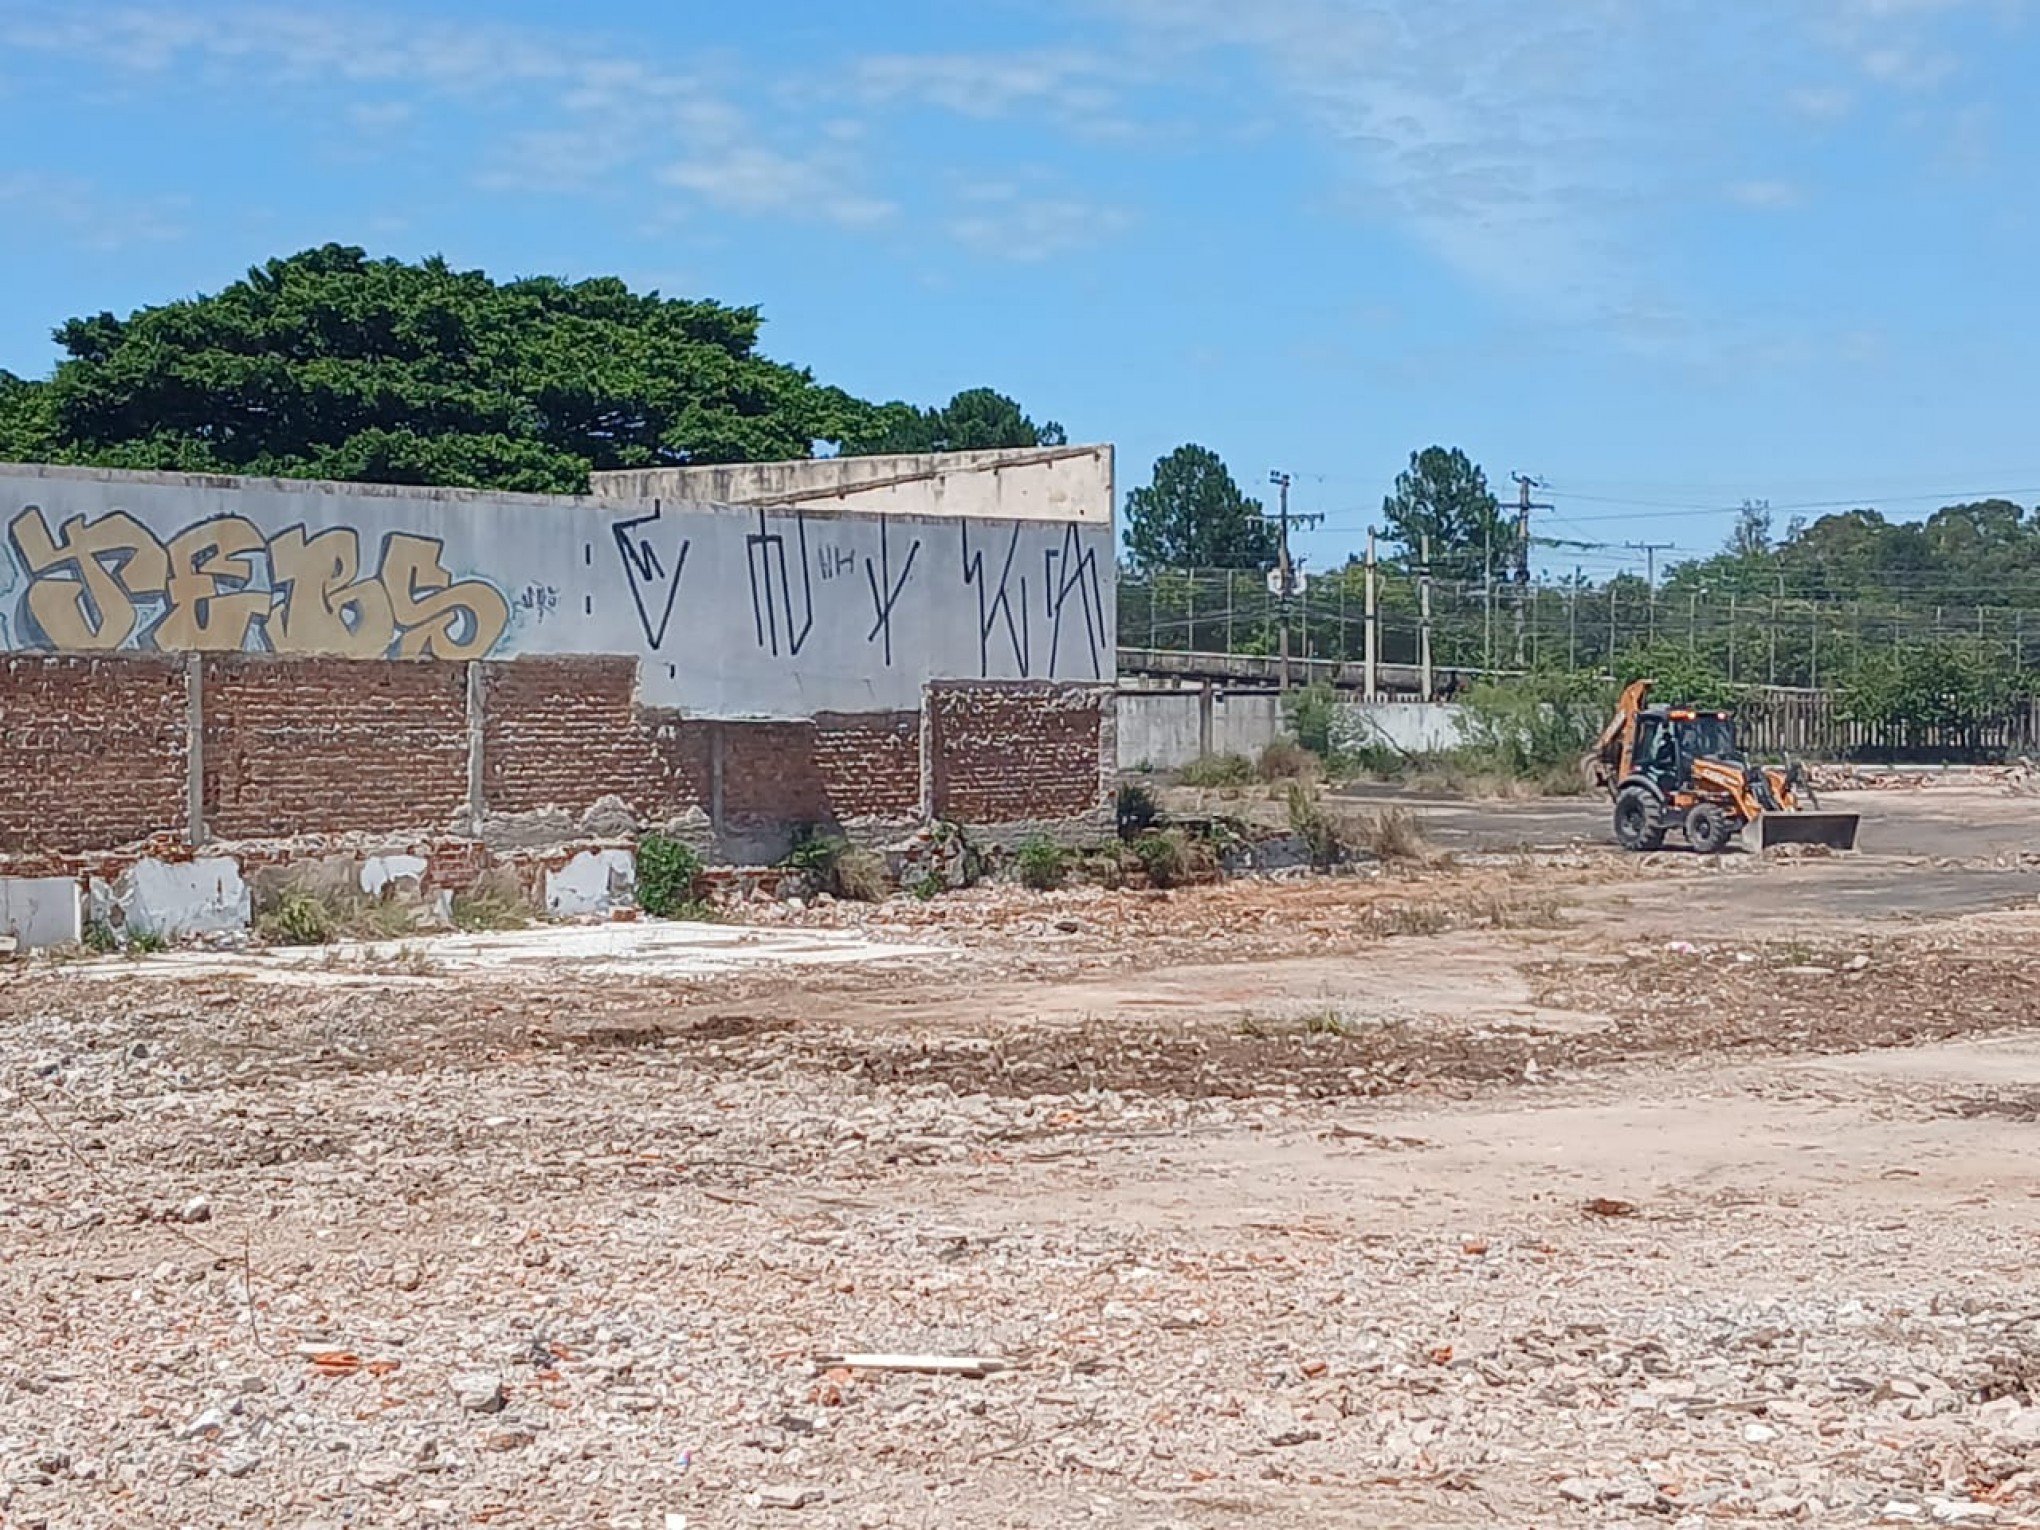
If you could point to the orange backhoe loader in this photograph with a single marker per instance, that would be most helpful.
(1679, 769)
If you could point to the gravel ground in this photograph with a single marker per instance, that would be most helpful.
(1430, 1199)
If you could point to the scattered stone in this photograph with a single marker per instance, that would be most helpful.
(478, 1391)
(197, 1209)
(789, 1497)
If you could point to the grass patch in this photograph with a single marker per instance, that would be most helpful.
(295, 919)
(490, 909)
(1041, 862)
(834, 866)
(1310, 823)
(1287, 760)
(1172, 858)
(1217, 770)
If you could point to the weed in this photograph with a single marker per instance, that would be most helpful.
(1284, 760)
(1413, 919)
(1042, 863)
(412, 962)
(928, 887)
(1309, 822)
(1214, 770)
(297, 919)
(1327, 1022)
(1392, 834)
(668, 876)
(99, 938)
(1137, 810)
(146, 942)
(488, 909)
(1172, 858)
(1251, 1027)
(1539, 911)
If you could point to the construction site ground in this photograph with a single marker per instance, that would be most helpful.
(1540, 1185)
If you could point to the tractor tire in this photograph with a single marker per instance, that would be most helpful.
(1636, 820)
(1709, 828)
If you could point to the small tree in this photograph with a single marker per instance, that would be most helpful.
(1192, 515)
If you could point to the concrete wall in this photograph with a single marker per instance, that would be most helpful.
(1409, 727)
(731, 612)
(1057, 484)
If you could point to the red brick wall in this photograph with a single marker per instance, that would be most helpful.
(328, 746)
(1009, 753)
(561, 732)
(92, 751)
(870, 763)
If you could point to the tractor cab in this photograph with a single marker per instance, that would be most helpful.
(1670, 739)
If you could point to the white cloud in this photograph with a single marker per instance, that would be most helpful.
(86, 217)
(1008, 222)
(1822, 103)
(756, 181)
(1768, 196)
(1070, 88)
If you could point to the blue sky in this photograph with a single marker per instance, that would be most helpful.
(1664, 253)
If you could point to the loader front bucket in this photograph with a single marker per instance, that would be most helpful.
(1837, 831)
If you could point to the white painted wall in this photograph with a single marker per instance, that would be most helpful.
(733, 612)
(1056, 483)
(42, 911)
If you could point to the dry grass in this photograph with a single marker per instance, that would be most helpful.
(1287, 760)
(1392, 834)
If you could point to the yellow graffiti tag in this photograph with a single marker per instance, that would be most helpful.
(86, 583)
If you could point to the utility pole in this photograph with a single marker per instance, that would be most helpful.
(1424, 617)
(1285, 570)
(1650, 550)
(1524, 484)
(1372, 635)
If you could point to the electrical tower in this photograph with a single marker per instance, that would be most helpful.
(1524, 505)
(1285, 569)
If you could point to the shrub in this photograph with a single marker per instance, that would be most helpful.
(928, 887)
(1041, 863)
(1534, 729)
(1217, 770)
(1309, 822)
(1392, 834)
(1136, 809)
(1311, 712)
(490, 909)
(668, 877)
(1285, 760)
(1172, 858)
(297, 919)
(100, 938)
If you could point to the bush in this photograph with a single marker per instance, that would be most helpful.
(1041, 863)
(1311, 712)
(1535, 729)
(1285, 760)
(1392, 834)
(1217, 770)
(1309, 822)
(1172, 858)
(1136, 809)
(668, 877)
(298, 919)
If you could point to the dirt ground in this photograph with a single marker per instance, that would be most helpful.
(1538, 1187)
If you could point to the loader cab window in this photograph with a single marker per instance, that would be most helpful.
(1656, 752)
(1709, 737)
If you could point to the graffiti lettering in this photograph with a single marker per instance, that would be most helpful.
(652, 584)
(997, 605)
(885, 590)
(1072, 569)
(206, 590)
(772, 589)
(82, 589)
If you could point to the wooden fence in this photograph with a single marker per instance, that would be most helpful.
(1805, 723)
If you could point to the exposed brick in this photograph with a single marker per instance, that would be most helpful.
(562, 732)
(870, 764)
(92, 751)
(1018, 751)
(327, 746)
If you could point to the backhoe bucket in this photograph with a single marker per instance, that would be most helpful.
(1837, 831)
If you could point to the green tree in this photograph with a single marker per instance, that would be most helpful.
(1192, 515)
(330, 364)
(1444, 495)
(978, 419)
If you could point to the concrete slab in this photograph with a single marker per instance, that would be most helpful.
(42, 911)
(177, 898)
(593, 882)
(653, 948)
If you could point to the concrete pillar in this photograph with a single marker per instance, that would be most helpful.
(477, 734)
(194, 749)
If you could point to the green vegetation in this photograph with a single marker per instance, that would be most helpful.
(1172, 858)
(1041, 862)
(1135, 809)
(668, 878)
(1310, 823)
(1192, 515)
(488, 908)
(1217, 770)
(296, 918)
(834, 866)
(327, 364)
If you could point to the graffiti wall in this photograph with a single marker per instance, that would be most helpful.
(752, 612)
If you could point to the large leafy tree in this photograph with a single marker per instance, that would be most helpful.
(1192, 515)
(330, 364)
(1444, 495)
(978, 419)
